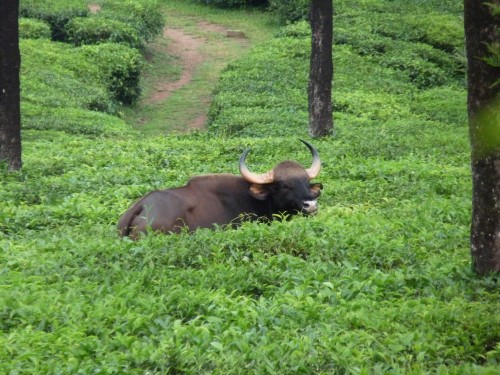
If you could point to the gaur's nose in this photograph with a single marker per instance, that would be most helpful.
(309, 207)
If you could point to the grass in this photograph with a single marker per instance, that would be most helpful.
(378, 282)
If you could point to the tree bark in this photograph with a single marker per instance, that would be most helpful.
(10, 61)
(483, 107)
(321, 68)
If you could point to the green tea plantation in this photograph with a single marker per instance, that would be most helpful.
(378, 282)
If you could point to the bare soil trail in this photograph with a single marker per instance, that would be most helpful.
(204, 47)
(185, 63)
(186, 48)
(94, 8)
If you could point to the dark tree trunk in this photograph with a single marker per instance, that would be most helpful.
(483, 107)
(321, 68)
(10, 61)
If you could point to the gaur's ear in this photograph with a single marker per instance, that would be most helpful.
(316, 189)
(260, 192)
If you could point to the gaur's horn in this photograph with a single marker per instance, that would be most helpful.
(313, 171)
(254, 178)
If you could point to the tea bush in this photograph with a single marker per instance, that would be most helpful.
(112, 69)
(120, 67)
(71, 120)
(63, 89)
(33, 29)
(377, 76)
(378, 282)
(58, 75)
(259, 92)
(144, 16)
(442, 31)
(95, 30)
(379, 279)
(232, 3)
(56, 13)
(290, 10)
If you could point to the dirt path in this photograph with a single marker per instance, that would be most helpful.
(192, 50)
(94, 8)
(186, 48)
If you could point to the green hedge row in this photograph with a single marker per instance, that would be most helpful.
(144, 16)
(290, 10)
(30, 28)
(55, 12)
(95, 30)
(378, 282)
(66, 88)
(296, 10)
(265, 93)
(232, 3)
(55, 74)
(76, 90)
(120, 67)
(128, 22)
(71, 120)
(92, 75)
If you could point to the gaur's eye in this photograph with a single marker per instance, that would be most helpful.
(285, 187)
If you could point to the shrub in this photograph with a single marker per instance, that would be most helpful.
(421, 73)
(144, 16)
(232, 3)
(71, 120)
(33, 29)
(378, 282)
(58, 75)
(442, 31)
(120, 67)
(265, 93)
(295, 30)
(95, 30)
(290, 10)
(56, 13)
(444, 104)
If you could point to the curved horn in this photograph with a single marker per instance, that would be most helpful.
(254, 178)
(313, 171)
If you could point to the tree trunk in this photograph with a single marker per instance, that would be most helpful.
(321, 68)
(10, 61)
(483, 107)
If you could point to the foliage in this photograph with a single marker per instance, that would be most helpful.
(120, 67)
(410, 12)
(378, 282)
(95, 30)
(56, 13)
(144, 16)
(58, 75)
(295, 30)
(231, 3)
(71, 120)
(377, 76)
(33, 29)
(290, 10)
(378, 279)
(62, 89)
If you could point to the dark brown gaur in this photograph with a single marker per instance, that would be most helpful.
(226, 199)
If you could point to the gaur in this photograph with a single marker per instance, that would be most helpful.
(225, 199)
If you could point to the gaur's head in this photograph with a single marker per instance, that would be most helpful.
(287, 186)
